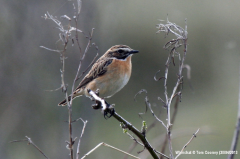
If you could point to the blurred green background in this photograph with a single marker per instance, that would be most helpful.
(28, 71)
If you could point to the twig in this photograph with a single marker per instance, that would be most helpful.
(149, 105)
(104, 144)
(178, 133)
(181, 39)
(80, 64)
(173, 119)
(194, 135)
(131, 148)
(31, 143)
(88, 66)
(78, 147)
(65, 36)
(237, 129)
(127, 125)
(58, 51)
(139, 135)
(136, 141)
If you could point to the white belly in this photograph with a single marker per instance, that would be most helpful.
(109, 87)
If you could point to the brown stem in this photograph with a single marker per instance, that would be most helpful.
(139, 135)
(237, 129)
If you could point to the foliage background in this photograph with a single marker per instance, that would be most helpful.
(27, 71)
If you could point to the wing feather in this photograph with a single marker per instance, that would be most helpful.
(98, 69)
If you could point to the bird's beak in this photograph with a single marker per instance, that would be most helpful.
(133, 51)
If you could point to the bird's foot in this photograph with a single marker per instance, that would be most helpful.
(97, 105)
(109, 111)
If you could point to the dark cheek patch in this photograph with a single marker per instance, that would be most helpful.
(115, 55)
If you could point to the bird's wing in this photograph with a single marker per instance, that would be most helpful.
(98, 69)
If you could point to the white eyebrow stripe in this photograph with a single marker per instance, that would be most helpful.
(125, 49)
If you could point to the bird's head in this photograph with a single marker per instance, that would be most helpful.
(120, 52)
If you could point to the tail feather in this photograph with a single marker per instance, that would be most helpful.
(76, 93)
(64, 102)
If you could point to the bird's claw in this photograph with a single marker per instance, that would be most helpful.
(97, 105)
(109, 112)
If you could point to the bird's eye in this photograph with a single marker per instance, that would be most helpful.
(120, 51)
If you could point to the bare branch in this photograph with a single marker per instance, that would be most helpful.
(93, 61)
(79, 6)
(104, 144)
(194, 135)
(149, 106)
(80, 64)
(59, 51)
(30, 142)
(140, 92)
(173, 45)
(127, 125)
(78, 147)
(237, 128)
(155, 78)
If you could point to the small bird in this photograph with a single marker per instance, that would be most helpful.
(109, 74)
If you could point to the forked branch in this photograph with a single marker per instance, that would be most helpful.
(172, 46)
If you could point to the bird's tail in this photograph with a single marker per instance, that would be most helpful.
(76, 93)
(64, 102)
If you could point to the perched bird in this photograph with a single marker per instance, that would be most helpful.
(109, 74)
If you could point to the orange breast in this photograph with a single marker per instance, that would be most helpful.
(116, 77)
